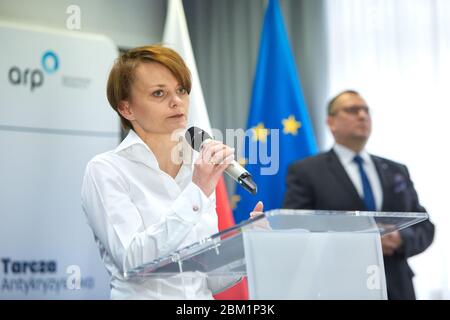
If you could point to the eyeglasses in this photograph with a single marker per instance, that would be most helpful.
(353, 110)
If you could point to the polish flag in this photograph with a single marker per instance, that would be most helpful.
(176, 36)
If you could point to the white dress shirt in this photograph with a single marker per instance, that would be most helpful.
(346, 156)
(138, 213)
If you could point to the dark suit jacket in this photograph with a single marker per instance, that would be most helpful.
(321, 183)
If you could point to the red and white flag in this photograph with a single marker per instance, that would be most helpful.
(176, 36)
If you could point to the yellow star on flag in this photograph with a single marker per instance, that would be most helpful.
(260, 133)
(242, 161)
(291, 125)
(234, 201)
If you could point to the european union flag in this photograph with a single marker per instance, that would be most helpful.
(277, 103)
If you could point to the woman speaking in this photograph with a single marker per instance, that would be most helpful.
(142, 199)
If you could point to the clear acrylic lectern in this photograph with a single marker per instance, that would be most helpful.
(293, 254)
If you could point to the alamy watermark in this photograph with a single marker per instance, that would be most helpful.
(374, 277)
(73, 281)
(73, 21)
(259, 148)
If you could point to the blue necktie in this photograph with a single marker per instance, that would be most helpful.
(369, 199)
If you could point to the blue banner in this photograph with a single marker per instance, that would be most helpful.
(280, 128)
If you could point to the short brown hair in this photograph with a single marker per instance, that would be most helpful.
(122, 74)
(332, 101)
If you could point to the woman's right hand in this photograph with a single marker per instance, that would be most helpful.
(214, 158)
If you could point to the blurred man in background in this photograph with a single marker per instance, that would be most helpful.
(348, 178)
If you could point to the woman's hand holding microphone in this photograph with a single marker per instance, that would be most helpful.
(214, 158)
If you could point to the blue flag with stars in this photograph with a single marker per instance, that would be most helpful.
(277, 103)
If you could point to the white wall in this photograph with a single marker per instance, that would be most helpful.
(397, 54)
(127, 23)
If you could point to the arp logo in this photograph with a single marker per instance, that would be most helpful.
(34, 77)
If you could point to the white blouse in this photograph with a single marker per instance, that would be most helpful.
(138, 213)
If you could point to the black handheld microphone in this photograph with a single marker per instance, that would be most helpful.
(196, 137)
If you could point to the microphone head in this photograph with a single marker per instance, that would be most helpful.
(195, 137)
